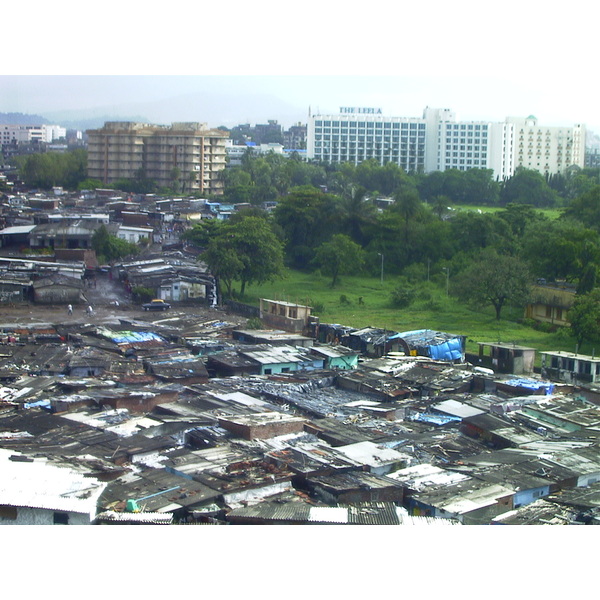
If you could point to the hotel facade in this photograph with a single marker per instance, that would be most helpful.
(437, 142)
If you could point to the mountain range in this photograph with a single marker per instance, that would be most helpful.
(214, 109)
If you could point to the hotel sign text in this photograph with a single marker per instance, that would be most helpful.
(360, 110)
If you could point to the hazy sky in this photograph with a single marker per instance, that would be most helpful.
(248, 62)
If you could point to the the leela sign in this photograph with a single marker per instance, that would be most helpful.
(361, 110)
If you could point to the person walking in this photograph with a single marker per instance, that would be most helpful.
(70, 309)
(90, 311)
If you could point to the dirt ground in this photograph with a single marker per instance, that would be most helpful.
(102, 297)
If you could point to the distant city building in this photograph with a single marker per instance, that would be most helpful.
(592, 158)
(437, 142)
(592, 151)
(295, 137)
(16, 134)
(189, 153)
(270, 132)
(235, 152)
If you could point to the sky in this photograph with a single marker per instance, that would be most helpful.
(233, 99)
(249, 62)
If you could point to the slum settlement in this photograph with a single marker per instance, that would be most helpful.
(188, 415)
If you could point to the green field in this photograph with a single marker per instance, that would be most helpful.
(437, 312)
(551, 213)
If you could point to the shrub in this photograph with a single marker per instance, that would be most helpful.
(143, 294)
(318, 308)
(254, 323)
(402, 297)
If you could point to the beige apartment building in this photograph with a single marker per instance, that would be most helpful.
(549, 150)
(185, 156)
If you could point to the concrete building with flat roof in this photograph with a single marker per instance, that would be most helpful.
(185, 156)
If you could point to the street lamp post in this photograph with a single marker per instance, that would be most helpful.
(447, 270)
(379, 253)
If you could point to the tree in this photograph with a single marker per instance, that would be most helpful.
(339, 256)
(260, 250)
(247, 251)
(587, 282)
(584, 317)
(440, 205)
(307, 217)
(356, 212)
(202, 232)
(586, 208)
(560, 249)
(495, 279)
(109, 247)
(472, 231)
(527, 186)
(480, 187)
(51, 169)
(224, 262)
(519, 216)
(408, 204)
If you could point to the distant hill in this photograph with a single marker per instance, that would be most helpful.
(81, 124)
(22, 119)
(68, 121)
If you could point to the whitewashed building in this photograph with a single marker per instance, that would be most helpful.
(438, 141)
(34, 492)
(548, 150)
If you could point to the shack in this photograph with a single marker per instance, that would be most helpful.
(506, 358)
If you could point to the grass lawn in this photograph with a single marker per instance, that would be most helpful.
(342, 305)
(551, 213)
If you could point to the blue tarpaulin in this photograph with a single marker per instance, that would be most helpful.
(450, 350)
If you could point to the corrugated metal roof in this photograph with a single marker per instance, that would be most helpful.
(37, 484)
(16, 229)
(141, 517)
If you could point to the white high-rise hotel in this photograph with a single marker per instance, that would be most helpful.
(437, 142)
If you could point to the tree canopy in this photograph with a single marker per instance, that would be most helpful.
(246, 250)
(339, 256)
(109, 247)
(495, 279)
(584, 317)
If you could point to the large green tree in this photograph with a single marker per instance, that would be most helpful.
(560, 248)
(527, 186)
(339, 256)
(495, 279)
(584, 317)
(246, 250)
(49, 169)
(586, 208)
(109, 247)
(308, 217)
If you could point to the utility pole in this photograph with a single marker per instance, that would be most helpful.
(447, 278)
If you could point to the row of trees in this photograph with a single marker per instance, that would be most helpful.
(492, 256)
(326, 218)
(262, 178)
(49, 169)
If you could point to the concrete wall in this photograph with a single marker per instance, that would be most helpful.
(40, 516)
